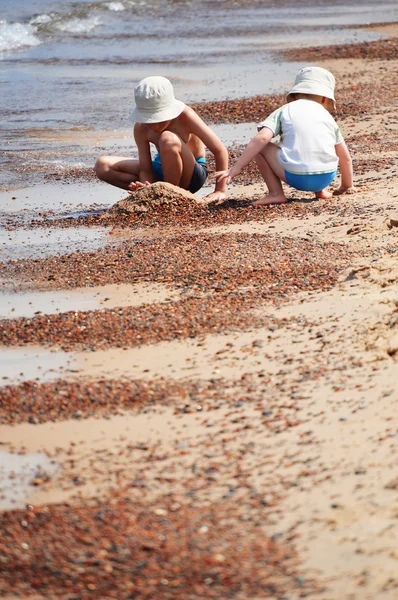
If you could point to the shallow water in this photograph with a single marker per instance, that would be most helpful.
(41, 243)
(58, 197)
(54, 200)
(175, 359)
(30, 363)
(71, 67)
(28, 304)
(16, 473)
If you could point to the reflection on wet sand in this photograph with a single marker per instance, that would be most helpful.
(114, 295)
(41, 243)
(16, 474)
(180, 359)
(58, 197)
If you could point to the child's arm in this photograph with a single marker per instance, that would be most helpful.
(199, 128)
(220, 153)
(144, 155)
(346, 170)
(254, 147)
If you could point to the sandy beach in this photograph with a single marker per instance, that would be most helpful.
(201, 402)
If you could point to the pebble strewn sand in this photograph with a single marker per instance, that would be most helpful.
(255, 454)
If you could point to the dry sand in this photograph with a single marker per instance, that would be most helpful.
(334, 469)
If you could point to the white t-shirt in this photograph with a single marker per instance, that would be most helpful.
(308, 135)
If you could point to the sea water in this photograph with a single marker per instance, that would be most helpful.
(68, 69)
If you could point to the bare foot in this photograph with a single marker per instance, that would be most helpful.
(344, 190)
(323, 194)
(270, 199)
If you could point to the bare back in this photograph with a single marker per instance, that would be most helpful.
(181, 126)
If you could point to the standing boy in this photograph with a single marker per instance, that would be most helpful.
(180, 137)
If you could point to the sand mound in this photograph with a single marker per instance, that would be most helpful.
(155, 196)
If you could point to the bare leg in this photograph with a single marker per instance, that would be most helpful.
(177, 164)
(177, 160)
(119, 171)
(272, 174)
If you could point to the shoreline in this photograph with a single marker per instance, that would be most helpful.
(278, 420)
(80, 141)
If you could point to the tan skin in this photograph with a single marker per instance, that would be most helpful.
(264, 152)
(179, 142)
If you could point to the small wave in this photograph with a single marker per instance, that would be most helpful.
(40, 20)
(115, 6)
(17, 35)
(78, 25)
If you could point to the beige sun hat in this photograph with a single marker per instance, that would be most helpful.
(314, 80)
(155, 101)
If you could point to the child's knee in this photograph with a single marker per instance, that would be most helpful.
(169, 142)
(101, 167)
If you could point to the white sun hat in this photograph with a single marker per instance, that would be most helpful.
(155, 101)
(314, 80)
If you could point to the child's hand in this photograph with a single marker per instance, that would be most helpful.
(223, 176)
(344, 190)
(227, 176)
(136, 185)
(215, 197)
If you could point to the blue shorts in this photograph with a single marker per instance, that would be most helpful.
(310, 183)
(199, 175)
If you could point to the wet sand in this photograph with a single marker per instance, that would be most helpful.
(244, 416)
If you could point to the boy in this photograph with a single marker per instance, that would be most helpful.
(311, 145)
(180, 137)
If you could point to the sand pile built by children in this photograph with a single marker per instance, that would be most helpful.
(156, 204)
(154, 197)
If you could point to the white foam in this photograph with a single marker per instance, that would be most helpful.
(17, 35)
(40, 20)
(115, 6)
(78, 25)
